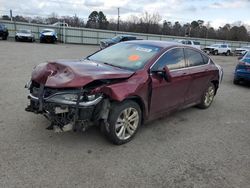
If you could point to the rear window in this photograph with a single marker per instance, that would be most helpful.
(247, 56)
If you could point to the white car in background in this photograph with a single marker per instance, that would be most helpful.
(192, 43)
(217, 49)
(241, 51)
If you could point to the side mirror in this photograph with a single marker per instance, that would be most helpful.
(165, 73)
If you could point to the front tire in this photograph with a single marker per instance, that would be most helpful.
(207, 97)
(123, 122)
(216, 52)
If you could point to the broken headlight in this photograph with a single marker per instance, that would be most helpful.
(72, 98)
(66, 98)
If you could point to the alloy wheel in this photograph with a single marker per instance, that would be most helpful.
(209, 96)
(127, 123)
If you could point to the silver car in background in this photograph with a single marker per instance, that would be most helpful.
(25, 35)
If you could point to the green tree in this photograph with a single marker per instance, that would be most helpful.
(97, 20)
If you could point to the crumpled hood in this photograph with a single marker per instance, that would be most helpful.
(75, 73)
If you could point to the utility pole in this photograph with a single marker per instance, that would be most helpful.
(118, 21)
(11, 15)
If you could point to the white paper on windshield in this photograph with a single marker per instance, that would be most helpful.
(143, 49)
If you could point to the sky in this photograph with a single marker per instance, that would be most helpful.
(217, 13)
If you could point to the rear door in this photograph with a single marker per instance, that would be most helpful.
(168, 95)
(199, 69)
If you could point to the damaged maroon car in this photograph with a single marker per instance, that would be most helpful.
(123, 86)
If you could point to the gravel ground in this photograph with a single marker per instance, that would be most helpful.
(191, 148)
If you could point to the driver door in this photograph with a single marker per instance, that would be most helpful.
(169, 95)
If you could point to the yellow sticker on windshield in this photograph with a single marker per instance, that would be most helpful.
(133, 58)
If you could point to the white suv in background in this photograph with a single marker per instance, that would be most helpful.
(217, 49)
(194, 44)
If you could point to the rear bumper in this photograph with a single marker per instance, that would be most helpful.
(242, 75)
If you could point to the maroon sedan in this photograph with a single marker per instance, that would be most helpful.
(123, 86)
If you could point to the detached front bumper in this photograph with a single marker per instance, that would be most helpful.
(64, 113)
(209, 50)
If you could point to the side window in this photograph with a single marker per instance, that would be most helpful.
(174, 59)
(189, 42)
(193, 57)
(124, 39)
(223, 46)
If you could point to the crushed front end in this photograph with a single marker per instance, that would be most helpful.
(67, 109)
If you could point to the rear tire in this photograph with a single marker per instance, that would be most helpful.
(236, 82)
(123, 122)
(228, 53)
(207, 97)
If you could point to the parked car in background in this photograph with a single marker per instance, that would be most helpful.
(116, 39)
(241, 51)
(4, 33)
(48, 35)
(192, 43)
(24, 35)
(242, 70)
(123, 86)
(217, 49)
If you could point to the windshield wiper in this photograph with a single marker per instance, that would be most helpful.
(114, 65)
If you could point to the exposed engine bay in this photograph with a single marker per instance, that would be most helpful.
(69, 109)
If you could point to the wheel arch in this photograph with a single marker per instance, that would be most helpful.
(141, 104)
(216, 85)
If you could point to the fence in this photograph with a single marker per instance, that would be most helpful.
(93, 36)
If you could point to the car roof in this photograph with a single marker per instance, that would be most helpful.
(163, 44)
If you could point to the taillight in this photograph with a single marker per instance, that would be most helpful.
(242, 63)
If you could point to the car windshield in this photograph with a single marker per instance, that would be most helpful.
(126, 55)
(117, 38)
(47, 31)
(24, 31)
